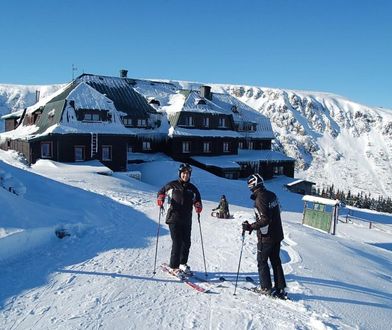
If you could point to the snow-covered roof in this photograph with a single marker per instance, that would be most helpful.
(180, 131)
(243, 156)
(297, 182)
(320, 200)
(86, 97)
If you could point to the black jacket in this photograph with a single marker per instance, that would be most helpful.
(181, 197)
(268, 222)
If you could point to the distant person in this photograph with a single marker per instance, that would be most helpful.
(269, 234)
(182, 196)
(223, 208)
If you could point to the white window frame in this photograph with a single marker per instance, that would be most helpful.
(146, 145)
(240, 145)
(76, 153)
(142, 123)
(189, 121)
(186, 147)
(107, 152)
(250, 145)
(92, 117)
(226, 147)
(206, 147)
(222, 122)
(47, 149)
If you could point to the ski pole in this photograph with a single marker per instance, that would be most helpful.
(156, 245)
(239, 262)
(202, 245)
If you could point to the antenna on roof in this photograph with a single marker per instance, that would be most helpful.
(74, 69)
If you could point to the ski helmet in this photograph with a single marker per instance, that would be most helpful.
(255, 180)
(184, 167)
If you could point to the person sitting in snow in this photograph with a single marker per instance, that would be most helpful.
(223, 208)
(182, 196)
(269, 229)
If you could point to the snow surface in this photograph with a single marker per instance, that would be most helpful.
(101, 276)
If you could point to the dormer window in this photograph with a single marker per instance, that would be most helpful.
(222, 122)
(189, 121)
(200, 102)
(234, 109)
(154, 102)
(127, 121)
(91, 117)
(141, 123)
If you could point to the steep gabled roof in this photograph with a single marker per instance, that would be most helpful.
(243, 113)
(120, 90)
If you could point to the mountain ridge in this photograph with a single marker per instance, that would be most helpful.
(333, 139)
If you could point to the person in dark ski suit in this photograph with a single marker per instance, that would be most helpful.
(182, 196)
(269, 229)
(223, 208)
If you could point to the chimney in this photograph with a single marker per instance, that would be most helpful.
(37, 95)
(205, 91)
(123, 73)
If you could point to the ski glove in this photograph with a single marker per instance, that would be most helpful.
(198, 207)
(160, 200)
(246, 226)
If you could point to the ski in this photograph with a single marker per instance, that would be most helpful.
(254, 288)
(192, 280)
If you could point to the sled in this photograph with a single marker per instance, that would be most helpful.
(216, 214)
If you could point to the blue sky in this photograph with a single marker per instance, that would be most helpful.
(338, 46)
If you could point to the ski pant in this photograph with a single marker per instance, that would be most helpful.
(181, 243)
(270, 251)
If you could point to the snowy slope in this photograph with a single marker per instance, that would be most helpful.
(101, 276)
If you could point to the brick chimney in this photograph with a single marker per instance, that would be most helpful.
(205, 91)
(123, 73)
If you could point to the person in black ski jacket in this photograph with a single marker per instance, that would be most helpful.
(223, 208)
(269, 234)
(182, 197)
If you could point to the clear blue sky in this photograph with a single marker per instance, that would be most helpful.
(338, 46)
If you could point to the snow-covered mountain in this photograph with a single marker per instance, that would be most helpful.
(334, 140)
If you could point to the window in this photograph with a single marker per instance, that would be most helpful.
(226, 147)
(79, 153)
(189, 121)
(278, 170)
(146, 145)
(206, 122)
(206, 146)
(127, 121)
(91, 117)
(106, 152)
(141, 123)
(222, 122)
(186, 147)
(250, 145)
(46, 149)
(240, 145)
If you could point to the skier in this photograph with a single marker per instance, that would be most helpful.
(269, 234)
(182, 195)
(223, 208)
